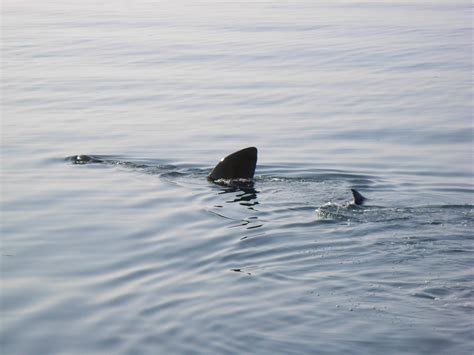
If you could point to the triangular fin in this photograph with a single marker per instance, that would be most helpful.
(358, 198)
(238, 165)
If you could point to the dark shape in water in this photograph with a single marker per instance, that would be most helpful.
(238, 165)
(85, 159)
(358, 198)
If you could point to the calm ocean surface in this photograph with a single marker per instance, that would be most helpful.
(141, 255)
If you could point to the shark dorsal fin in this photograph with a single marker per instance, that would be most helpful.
(358, 198)
(238, 165)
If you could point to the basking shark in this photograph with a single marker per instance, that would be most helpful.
(236, 167)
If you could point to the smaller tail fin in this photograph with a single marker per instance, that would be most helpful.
(358, 198)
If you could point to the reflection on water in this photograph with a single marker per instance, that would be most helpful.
(244, 194)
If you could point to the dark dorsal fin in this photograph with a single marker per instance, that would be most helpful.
(238, 165)
(358, 198)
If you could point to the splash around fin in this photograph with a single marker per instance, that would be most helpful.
(358, 198)
(238, 165)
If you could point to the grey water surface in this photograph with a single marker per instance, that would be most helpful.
(141, 254)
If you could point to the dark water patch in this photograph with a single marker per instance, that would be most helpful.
(171, 174)
(308, 224)
(424, 295)
(438, 292)
(450, 251)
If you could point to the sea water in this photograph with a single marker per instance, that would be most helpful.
(142, 255)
